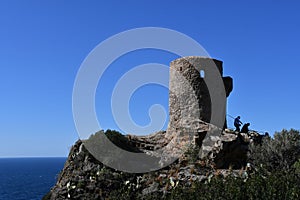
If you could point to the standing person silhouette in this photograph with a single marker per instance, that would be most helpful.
(237, 123)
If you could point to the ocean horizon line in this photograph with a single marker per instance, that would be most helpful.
(24, 157)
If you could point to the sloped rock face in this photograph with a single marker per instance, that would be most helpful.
(230, 151)
(84, 177)
(197, 149)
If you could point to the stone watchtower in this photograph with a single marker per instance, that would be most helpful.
(189, 97)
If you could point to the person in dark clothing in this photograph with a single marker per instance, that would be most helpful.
(245, 128)
(237, 123)
(267, 134)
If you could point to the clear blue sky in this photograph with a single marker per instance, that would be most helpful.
(43, 44)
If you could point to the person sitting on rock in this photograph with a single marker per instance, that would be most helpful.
(237, 123)
(245, 128)
(267, 134)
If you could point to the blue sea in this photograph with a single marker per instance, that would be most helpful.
(28, 178)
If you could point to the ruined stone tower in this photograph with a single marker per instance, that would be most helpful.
(189, 98)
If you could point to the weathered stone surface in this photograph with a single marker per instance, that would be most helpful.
(200, 155)
(83, 177)
(189, 97)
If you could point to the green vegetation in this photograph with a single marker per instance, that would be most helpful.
(275, 174)
(278, 185)
(278, 153)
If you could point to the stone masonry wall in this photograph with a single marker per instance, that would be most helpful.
(189, 98)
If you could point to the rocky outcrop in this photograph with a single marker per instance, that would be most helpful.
(197, 148)
(84, 177)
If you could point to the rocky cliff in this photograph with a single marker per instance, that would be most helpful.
(84, 177)
(193, 149)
